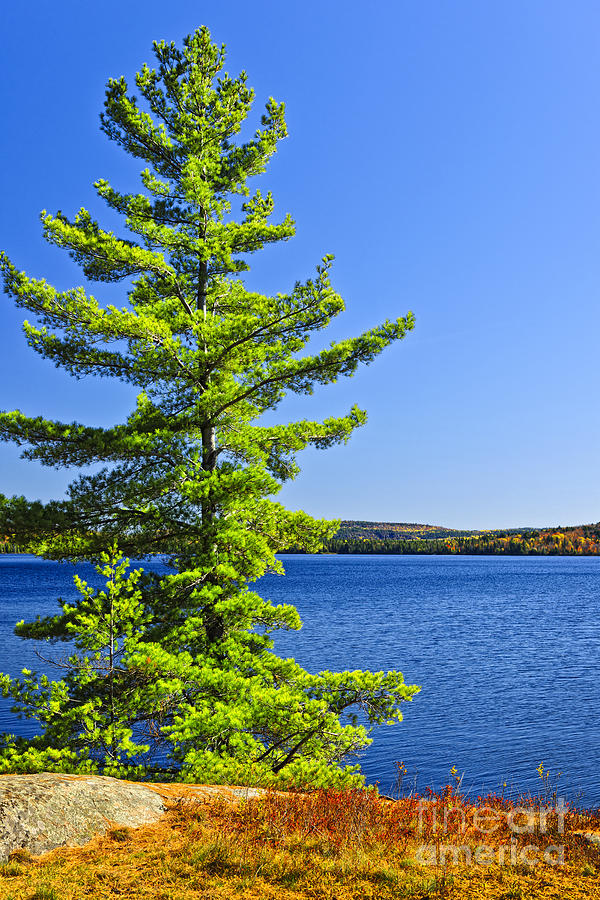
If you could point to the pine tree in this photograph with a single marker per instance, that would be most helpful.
(191, 472)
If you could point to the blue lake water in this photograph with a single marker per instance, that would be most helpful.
(506, 650)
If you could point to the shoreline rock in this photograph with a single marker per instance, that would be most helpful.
(41, 812)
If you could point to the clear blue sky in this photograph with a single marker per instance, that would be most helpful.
(448, 153)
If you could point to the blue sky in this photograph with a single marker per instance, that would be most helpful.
(447, 153)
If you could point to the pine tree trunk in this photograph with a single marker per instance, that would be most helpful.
(212, 621)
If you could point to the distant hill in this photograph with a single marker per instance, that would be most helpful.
(351, 528)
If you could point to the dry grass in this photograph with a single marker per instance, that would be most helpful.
(339, 845)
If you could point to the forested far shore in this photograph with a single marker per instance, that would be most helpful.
(404, 538)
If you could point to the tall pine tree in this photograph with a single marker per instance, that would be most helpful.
(192, 471)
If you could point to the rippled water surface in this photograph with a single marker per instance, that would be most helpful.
(506, 650)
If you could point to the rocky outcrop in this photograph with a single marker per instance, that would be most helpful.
(593, 837)
(44, 811)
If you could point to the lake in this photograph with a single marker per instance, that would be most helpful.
(506, 650)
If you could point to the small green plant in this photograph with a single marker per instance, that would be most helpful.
(11, 869)
(44, 892)
(214, 857)
(119, 835)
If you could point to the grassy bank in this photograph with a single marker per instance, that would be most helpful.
(329, 844)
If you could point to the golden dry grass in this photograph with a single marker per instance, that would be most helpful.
(334, 845)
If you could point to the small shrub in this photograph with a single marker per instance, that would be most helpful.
(119, 835)
(213, 858)
(11, 869)
(20, 855)
(44, 892)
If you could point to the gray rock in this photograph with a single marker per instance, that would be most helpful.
(44, 811)
(592, 836)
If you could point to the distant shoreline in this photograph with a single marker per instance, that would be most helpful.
(400, 538)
